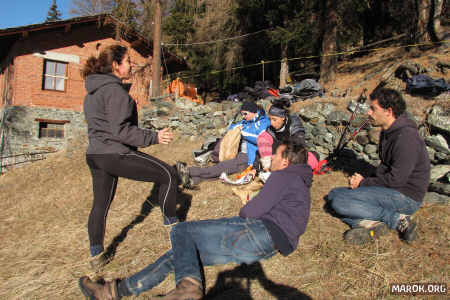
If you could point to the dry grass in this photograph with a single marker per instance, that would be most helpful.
(44, 244)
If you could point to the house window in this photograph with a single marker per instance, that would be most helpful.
(55, 75)
(51, 128)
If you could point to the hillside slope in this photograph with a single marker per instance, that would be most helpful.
(44, 209)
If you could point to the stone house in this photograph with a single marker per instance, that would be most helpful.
(41, 87)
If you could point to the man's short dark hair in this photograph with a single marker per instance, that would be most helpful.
(294, 152)
(389, 98)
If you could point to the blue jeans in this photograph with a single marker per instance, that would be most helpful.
(371, 203)
(207, 243)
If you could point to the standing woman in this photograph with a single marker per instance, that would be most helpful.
(114, 135)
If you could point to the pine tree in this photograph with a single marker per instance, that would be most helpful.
(53, 13)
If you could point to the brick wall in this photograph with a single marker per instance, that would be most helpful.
(81, 41)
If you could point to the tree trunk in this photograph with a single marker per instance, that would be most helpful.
(436, 19)
(156, 59)
(328, 61)
(284, 70)
(423, 13)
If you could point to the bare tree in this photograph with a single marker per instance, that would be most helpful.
(91, 7)
(156, 60)
(328, 61)
(436, 18)
(423, 10)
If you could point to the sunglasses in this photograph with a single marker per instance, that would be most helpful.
(244, 113)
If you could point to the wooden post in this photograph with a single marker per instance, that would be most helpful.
(156, 60)
(262, 62)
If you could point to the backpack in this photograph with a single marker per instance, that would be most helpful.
(229, 145)
(426, 86)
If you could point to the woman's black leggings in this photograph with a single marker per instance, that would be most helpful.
(107, 168)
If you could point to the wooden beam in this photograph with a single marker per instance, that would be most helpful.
(52, 121)
(67, 28)
(25, 34)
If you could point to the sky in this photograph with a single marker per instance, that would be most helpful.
(15, 13)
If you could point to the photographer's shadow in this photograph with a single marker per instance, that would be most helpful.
(235, 284)
(183, 205)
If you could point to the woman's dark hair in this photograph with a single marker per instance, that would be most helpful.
(389, 98)
(103, 63)
(294, 152)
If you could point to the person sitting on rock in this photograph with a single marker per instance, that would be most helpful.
(253, 124)
(271, 222)
(282, 126)
(397, 189)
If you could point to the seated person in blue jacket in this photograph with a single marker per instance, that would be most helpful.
(271, 222)
(396, 190)
(253, 124)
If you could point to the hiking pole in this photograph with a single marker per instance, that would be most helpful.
(323, 164)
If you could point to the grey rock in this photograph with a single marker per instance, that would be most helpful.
(370, 149)
(363, 108)
(374, 135)
(438, 172)
(319, 131)
(327, 108)
(357, 147)
(362, 138)
(442, 158)
(439, 119)
(440, 188)
(337, 118)
(328, 138)
(431, 153)
(311, 115)
(438, 143)
(163, 111)
(161, 103)
(435, 198)
(219, 122)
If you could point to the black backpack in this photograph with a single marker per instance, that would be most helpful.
(426, 86)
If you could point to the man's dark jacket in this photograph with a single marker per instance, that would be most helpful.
(405, 165)
(283, 205)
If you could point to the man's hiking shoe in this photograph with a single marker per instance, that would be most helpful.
(187, 289)
(96, 291)
(191, 185)
(203, 159)
(183, 173)
(363, 235)
(99, 261)
(407, 228)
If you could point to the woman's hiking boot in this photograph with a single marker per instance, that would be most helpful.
(407, 228)
(187, 289)
(185, 179)
(366, 232)
(96, 291)
(183, 173)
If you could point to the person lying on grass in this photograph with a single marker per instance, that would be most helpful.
(271, 222)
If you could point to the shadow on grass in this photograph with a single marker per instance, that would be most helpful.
(183, 205)
(235, 284)
(349, 163)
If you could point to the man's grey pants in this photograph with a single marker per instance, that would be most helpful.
(235, 165)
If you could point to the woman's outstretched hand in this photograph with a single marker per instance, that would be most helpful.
(165, 136)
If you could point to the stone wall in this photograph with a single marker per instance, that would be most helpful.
(21, 132)
(323, 122)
